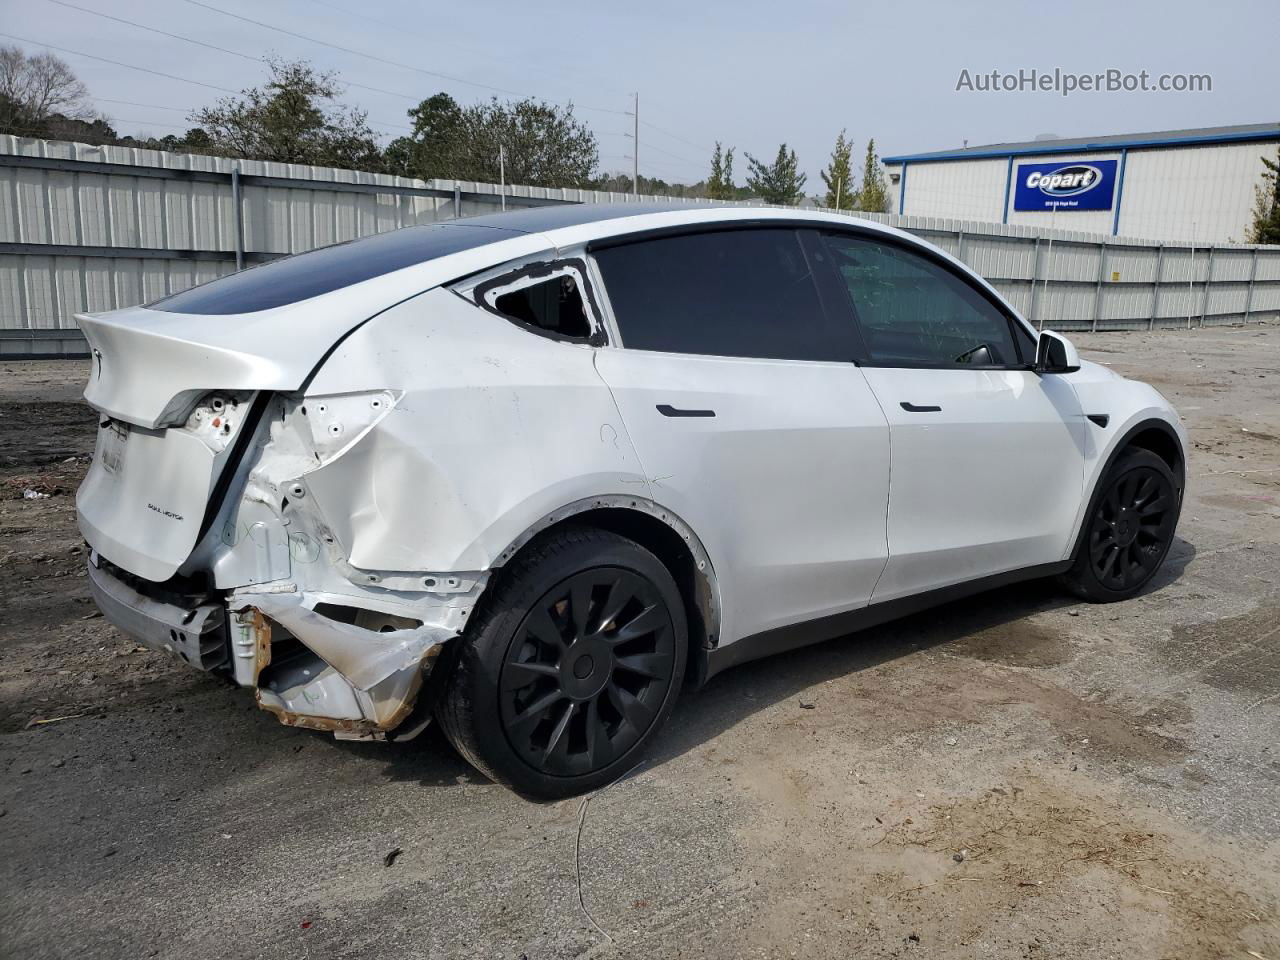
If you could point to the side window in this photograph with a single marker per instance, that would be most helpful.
(545, 299)
(729, 293)
(913, 312)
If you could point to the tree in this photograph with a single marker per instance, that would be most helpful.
(720, 183)
(1266, 205)
(777, 182)
(649, 186)
(873, 197)
(841, 194)
(36, 90)
(432, 151)
(292, 118)
(542, 145)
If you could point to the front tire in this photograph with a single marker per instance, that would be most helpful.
(570, 668)
(1129, 529)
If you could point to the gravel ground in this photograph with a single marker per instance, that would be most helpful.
(1015, 775)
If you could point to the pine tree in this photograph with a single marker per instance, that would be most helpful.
(874, 195)
(777, 182)
(1266, 205)
(840, 192)
(720, 183)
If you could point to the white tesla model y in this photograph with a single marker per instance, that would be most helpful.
(531, 474)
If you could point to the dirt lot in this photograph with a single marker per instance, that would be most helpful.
(1017, 775)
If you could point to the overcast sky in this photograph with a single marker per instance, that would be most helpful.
(751, 73)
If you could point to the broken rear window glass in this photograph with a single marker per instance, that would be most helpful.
(329, 268)
(554, 306)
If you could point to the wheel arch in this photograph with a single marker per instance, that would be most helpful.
(1161, 439)
(1154, 434)
(665, 534)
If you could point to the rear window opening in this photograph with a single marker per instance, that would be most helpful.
(554, 306)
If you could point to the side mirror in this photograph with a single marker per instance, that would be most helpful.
(1055, 354)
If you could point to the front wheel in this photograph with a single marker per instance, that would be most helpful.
(1129, 529)
(573, 664)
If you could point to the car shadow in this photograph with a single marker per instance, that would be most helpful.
(992, 625)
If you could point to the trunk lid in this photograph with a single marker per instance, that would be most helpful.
(149, 367)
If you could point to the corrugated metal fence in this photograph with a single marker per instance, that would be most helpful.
(86, 228)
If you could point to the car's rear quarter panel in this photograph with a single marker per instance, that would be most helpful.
(497, 428)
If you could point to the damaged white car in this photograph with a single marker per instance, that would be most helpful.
(531, 474)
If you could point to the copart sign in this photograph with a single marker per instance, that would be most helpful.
(1065, 185)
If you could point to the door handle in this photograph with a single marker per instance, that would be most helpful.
(919, 408)
(669, 411)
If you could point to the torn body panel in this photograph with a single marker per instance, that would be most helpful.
(354, 644)
(353, 680)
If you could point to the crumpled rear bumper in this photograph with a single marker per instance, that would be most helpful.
(358, 680)
(314, 670)
(197, 633)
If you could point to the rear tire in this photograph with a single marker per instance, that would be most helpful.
(571, 666)
(1128, 530)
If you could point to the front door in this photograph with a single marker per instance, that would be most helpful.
(987, 456)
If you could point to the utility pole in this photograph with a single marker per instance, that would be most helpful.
(839, 184)
(1191, 277)
(635, 152)
(1053, 217)
(502, 175)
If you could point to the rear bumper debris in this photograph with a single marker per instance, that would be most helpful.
(358, 680)
(342, 663)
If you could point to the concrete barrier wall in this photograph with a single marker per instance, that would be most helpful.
(86, 228)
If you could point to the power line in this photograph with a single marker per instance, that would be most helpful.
(674, 136)
(211, 46)
(236, 53)
(150, 123)
(654, 146)
(117, 63)
(256, 59)
(393, 63)
(152, 106)
(401, 29)
(163, 33)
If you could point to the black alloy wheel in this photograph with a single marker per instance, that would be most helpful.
(1129, 529)
(587, 671)
(572, 663)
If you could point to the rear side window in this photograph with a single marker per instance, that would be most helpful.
(914, 312)
(732, 293)
(553, 306)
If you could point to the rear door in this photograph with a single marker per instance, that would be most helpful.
(988, 457)
(750, 419)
